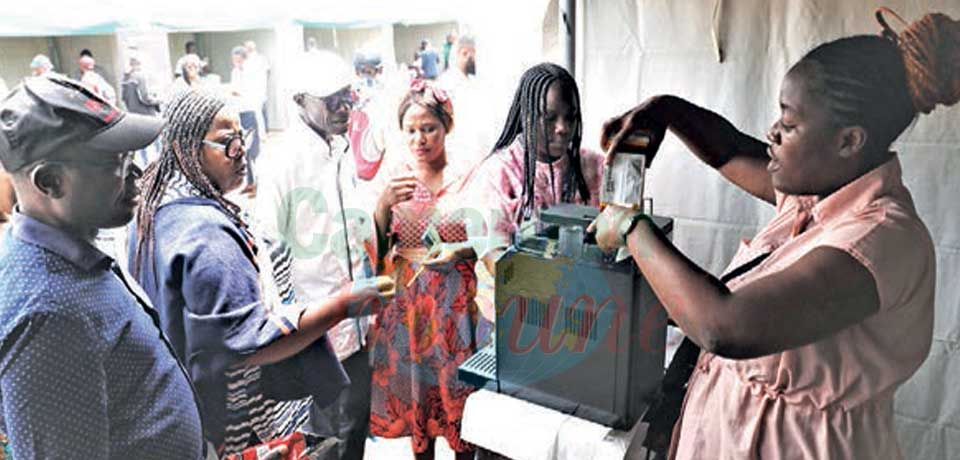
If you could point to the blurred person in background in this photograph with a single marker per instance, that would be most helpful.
(258, 68)
(475, 133)
(78, 73)
(368, 119)
(447, 46)
(40, 65)
(245, 86)
(428, 60)
(190, 49)
(140, 100)
(95, 81)
(190, 75)
(311, 46)
(368, 67)
(465, 65)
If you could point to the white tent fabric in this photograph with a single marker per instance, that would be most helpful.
(639, 48)
(75, 17)
(632, 49)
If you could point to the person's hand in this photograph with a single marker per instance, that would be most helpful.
(249, 191)
(398, 190)
(611, 227)
(277, 453)
(647, 119)
(368, 295)
(446, 256)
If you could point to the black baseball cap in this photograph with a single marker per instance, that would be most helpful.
(54, 117)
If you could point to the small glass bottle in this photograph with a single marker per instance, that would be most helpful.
(622, 183)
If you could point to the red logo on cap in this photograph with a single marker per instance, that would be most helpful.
(93, 105)
(106, 115)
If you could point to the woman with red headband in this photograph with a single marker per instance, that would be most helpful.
(429, 329)
(829, 309)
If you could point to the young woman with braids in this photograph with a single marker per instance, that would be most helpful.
(428, 330)
(537, 161)
(224, 308)
(829, 309)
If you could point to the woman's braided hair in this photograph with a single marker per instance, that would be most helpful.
(526, 117)
(881, 82)
(188, 118)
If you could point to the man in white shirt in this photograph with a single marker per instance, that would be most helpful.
(308, 196)
(473, 138)
(464, 65)
(244, 87)
(259, 70)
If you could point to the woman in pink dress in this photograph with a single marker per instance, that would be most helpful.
(429, 329)
(829, 309)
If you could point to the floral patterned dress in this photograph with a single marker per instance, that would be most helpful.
(427, 331)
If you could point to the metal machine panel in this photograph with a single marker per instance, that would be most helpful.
(584, 336)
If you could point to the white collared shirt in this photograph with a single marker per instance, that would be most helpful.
(298, 201)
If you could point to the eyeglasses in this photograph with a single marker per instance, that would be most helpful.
(233, 145)
(337, 100)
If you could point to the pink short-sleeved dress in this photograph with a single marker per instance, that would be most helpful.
(832, 399)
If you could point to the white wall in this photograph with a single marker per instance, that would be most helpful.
(15, 56)
(346, 41)
(639, 48)
(406, 39)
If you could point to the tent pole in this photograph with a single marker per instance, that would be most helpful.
(568, 34)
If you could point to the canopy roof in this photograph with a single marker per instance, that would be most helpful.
(75, 17)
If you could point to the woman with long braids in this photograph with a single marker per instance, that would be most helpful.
(213, 281)
(537, 161)
(829, 309)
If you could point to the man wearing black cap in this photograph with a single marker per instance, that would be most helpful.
(84, 370)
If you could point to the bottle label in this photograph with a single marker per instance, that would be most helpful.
(622, 183)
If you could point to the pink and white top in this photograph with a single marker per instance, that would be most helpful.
(832, 398)
(440, 209)
(499, 186)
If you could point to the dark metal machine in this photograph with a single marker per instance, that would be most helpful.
(576, 330)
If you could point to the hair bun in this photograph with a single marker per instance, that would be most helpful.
(931, 56)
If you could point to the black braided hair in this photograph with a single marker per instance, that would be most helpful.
(526, 117)
(188, 118)
(863, 83)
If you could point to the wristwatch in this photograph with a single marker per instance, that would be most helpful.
(628, 225)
